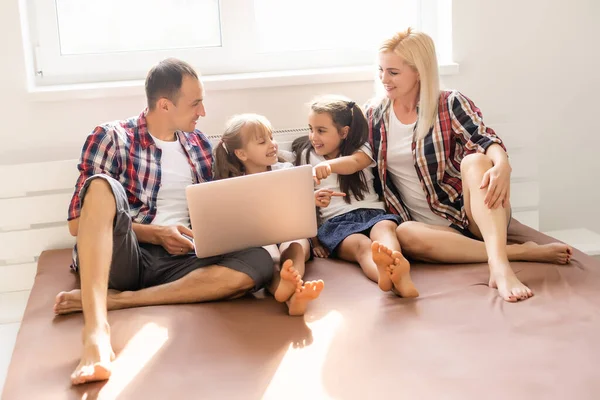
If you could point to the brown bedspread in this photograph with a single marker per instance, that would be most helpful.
(459, 340)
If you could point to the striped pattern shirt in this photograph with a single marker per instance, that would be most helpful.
(458, 131)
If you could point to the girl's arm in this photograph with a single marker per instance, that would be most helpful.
(346, 165)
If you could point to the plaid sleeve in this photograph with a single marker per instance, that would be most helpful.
(467, 122)
(97, 157)
(205, 155)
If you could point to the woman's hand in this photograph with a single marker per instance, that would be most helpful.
(321, 171)
(497, 180)
(323, 197)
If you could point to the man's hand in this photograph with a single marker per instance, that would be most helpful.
(497, 180)
(323, 197)
(321, 171)
(172, 239)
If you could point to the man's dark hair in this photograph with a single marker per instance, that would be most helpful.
(164, 80)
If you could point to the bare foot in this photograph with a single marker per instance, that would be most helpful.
(556, 253)
(95, 364)
(509, 286)
(400, 275)
(308, 292)
(70, 302)
(290, 282)
(382, 256)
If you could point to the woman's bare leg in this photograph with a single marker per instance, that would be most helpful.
(442, 244)
(491, 225)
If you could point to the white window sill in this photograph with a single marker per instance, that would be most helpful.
(217, 82)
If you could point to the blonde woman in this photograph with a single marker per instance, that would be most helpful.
(443, 170)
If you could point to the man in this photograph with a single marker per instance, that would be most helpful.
(130, 217)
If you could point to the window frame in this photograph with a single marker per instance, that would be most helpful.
(52, 69)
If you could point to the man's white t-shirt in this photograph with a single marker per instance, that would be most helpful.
(401, 167)
(176, 175)
(338, 205)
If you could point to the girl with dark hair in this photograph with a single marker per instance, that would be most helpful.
(353, 223)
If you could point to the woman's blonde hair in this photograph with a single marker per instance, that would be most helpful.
(238, 132)
(418, 51)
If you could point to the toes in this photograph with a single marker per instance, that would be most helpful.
(510, 298)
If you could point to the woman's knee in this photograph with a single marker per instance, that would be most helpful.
(477, 161)
(412, 239)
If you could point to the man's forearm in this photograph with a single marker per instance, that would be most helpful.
(146, 233)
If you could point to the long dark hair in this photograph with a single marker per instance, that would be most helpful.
(344, 113)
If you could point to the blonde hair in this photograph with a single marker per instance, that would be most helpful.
(238, 132)
(418, 51)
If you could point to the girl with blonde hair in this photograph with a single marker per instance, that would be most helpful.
(248, 147)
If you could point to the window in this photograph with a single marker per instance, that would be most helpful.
(78, 41)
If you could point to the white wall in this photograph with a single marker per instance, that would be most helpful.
(527, 64)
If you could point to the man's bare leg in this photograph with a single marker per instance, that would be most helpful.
(210, 283)
(442, 244)
(94, 244)
(384, 251)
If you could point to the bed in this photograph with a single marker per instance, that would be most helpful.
(458, 340)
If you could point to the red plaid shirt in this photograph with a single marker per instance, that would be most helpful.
(458, 131)
(125, 151)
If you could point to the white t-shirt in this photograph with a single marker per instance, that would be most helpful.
(338, 205)
(176, 175)
(400, 165)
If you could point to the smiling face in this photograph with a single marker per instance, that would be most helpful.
(398, 78)
(259, 150)
(324, 135)
(188, 107)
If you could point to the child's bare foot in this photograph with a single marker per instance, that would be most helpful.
(70, 302)
(95, 364)
(382, 256)
(400, 276)
(509, 286)
(556, 253)
(290, 282)
(308, 292)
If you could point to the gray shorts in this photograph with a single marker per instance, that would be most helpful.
(139, 265)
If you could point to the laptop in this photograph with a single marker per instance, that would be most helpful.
(253, 210)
